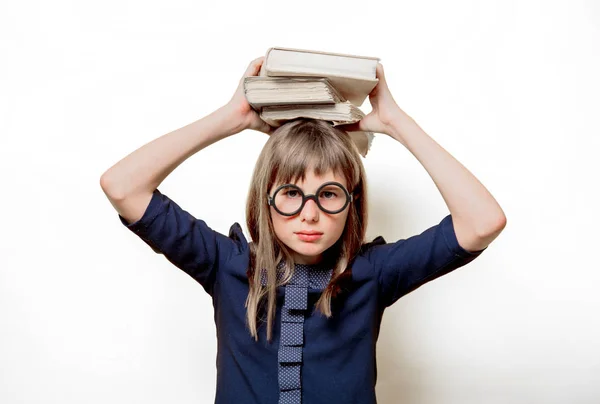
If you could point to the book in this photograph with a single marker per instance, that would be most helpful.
(295, 83)
(268, 91)
(353, 76)
(337, 114)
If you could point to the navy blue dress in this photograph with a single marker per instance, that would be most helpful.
(310, 359)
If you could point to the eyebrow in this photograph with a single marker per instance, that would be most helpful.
(291, 183)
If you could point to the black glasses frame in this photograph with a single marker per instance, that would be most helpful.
(349, 198)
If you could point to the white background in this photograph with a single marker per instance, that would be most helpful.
(89, 314)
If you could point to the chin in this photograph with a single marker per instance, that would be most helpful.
(308, 249)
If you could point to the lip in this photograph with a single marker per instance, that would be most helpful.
(309, 236)
(309, 232)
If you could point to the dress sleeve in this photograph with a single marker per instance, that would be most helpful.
(408, 264)
(185, 241)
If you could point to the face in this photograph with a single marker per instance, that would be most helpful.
(329, 227)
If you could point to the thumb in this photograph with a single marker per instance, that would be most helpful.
(379, 73)
(265, 127)
(254, 67)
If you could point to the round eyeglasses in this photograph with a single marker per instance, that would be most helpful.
(331, 197)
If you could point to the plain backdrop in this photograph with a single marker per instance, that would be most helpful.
(90, 314)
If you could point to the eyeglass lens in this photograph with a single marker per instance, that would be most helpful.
(289, 198)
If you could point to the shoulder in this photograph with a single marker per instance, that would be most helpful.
(167, 226)
(406, 264)
(440, 236)
(364, 260)
(368, 248)
(236, 235)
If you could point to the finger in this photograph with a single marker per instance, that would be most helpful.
(266, 128)
(351, 127)
(379, 72)
(254, 67)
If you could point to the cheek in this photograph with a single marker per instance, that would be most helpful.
(338, 224)
(279, 223)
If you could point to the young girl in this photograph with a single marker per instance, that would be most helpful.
(298, 309)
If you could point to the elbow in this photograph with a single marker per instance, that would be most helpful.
(104, 181)
(493, 228)
(109, 187)
(500, 222)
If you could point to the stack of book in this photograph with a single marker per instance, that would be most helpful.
(296, 83)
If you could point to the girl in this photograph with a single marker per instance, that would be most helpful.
(298, 309)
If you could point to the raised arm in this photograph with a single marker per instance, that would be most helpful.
(476, 216)
(129, 183)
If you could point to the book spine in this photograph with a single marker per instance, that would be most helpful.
(263, 68)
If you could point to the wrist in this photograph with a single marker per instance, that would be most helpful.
(231, 118)
(400, 124)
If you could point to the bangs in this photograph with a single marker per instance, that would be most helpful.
(309, 147)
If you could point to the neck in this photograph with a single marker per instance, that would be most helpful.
(308, 260)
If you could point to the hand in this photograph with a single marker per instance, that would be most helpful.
(385, 110)
(243, 112)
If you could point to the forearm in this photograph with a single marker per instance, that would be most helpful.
(144, 169)
(471, 205)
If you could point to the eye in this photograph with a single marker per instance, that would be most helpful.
(328, 194)
(292, 193)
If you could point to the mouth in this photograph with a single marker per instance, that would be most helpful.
(309, 235)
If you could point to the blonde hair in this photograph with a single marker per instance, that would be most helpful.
(291, 150)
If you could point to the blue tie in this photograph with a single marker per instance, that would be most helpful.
(292, 328)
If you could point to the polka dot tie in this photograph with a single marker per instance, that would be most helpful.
(293, 311)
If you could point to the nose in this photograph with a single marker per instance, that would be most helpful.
(310, 211)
